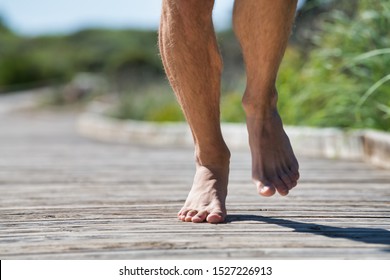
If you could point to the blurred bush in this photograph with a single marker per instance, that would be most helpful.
(341, 78)
(335, 72)
(344, 80)
(155, 102)
(25, 62)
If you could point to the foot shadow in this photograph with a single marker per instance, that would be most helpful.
(359, 234)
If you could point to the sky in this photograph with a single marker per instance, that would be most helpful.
(36, 17)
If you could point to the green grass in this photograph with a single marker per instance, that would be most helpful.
(345, 80)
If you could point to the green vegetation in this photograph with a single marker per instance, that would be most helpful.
(344, 80)
(155, 102)
(335, 72)
(26, 62)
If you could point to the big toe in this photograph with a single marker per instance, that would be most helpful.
(266, 190)
(215, 218)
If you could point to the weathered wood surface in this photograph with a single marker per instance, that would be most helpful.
(65, 197)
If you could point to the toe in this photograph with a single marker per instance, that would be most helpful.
(283, 191)
(189, 215)
(281, 187)
(215, 218)
(182, 214)
(296, 176)
(200, 217)
(265, 189)
(288, 181)
(182, 218)
(293, 173)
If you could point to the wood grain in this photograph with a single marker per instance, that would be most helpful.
(65, 197)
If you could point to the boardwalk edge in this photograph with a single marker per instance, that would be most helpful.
(369, 145)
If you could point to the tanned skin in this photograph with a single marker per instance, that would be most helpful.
(193, 65)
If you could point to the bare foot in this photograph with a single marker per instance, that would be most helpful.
(206, 200)
(274, 165)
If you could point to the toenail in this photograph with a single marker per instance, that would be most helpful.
(192, 213)
(265, 189)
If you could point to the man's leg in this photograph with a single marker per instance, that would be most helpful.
(193, 65)
(262, 28)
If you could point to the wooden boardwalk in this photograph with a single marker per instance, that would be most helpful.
(66, 197)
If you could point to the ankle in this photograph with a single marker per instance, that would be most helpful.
(256, 111)
(216, 157)
(260, 103)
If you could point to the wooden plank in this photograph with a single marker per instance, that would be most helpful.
(66, 197)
